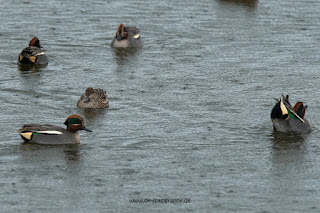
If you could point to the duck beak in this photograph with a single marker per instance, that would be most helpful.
(87, 99)
(85, 129)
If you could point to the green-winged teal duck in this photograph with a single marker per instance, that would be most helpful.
(93, 98)
(51, 134)
(33, 54)
(286, 118)
(126, 37)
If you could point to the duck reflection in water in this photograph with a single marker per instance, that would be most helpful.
(93, 113)
(248, 3)
(71, 151)
(31, 67)
(123, 56)
(287, 141)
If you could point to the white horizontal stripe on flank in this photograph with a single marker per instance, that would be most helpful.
(50, 132)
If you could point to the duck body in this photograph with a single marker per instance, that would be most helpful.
(126, 37)
(51, 134)
(286, 118)
(48, 134)
(33, 54)
(93, 99)
(291, 125)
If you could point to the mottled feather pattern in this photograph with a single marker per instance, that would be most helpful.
(97, 99)
(101, 93)
(30, 51)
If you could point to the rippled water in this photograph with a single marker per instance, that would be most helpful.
(189, 114)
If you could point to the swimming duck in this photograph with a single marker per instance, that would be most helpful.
(93, 98)
(126, 37)
(33, 54)
(51, 134)
(286, 118)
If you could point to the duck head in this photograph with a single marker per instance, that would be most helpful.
(89, 91)
(300, 109)
(75, 123)
(122, 32)
(35, 42)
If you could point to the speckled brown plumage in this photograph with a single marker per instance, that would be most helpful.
(94, 99)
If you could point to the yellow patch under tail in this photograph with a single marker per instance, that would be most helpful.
(26, 135)
(33, 59)
(283, 109)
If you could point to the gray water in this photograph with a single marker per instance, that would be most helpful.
(189, 114)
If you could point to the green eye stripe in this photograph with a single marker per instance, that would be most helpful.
(74, 121)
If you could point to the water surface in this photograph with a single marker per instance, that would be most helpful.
(189, 114)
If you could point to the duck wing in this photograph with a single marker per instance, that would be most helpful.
(101, 93)
(41, 129)
(31, 51)
(133, 30)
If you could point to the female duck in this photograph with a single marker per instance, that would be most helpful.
(288, 119)
(51, 134)
(33, 54)
(126, 37)
(94, 99)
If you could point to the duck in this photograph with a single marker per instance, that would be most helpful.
(286, 118)
(33, 54)
(93, 99)
(126, 37)
(51, 134)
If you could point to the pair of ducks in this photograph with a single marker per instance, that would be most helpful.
(51, 134)
(125, 37)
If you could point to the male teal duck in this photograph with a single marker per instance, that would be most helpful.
(126, 37)
(286, 118)
(51, 134)
(94, 99)
(33, 54)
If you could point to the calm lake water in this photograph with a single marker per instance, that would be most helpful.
(189, 116)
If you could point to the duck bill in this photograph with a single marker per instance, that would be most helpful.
(86, 100)
(85, 129)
